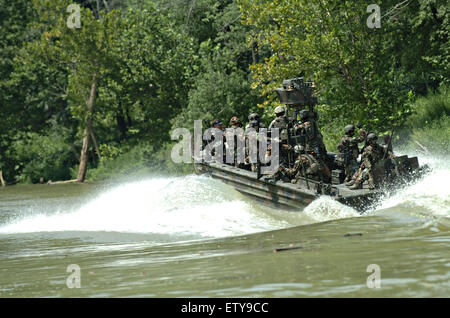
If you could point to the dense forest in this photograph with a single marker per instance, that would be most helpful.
(100, 99)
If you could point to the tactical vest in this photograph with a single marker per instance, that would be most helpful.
(348, 147)
(374, 153)
(282, 124)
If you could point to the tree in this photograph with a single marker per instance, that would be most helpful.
(83, 52)
(222, 84)
(359, 73)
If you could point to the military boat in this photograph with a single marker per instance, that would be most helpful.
(297, 93)
(297, 196)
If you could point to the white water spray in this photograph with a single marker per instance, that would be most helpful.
(201, 207)
(188, 206)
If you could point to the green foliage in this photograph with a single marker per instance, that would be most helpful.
(159, 65)
(222, 88)
(42, 156)
(109, 152)
(429, 126)
(147, 84)
(430, 108)
(137, 161)
(359, 72)
(434, 137)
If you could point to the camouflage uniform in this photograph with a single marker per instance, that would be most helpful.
(281, 122)
(372, 154)
(255, 125)
(217, 124)
(235, 123)
(309, 165)
(313, 145)
(348, 154)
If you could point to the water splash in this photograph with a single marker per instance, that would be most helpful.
(200, 207)
(326, 209)
(189, 206)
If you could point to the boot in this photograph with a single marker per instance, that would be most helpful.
(356, 185)
(350, 183)
(270, 180)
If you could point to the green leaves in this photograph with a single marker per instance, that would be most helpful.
(359, 72)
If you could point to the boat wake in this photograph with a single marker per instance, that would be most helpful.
(195, 207)
(192, 206)
(428, 198)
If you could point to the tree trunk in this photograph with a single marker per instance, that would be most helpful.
(1, 179)
(94, 141)
(84, 149)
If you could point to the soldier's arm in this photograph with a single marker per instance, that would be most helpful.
(363, 133)
(341, 144)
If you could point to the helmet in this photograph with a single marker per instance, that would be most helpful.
(253, 116)
(234, 120)
(216, 122)
(299, 149)
(349, 129)
(254, 123)
(304, 114)
(279, 110)
(372, 137)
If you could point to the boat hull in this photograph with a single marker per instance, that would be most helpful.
(287, 195)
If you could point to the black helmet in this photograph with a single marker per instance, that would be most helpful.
(254, 123)
(253, 116)
(349, 129)
(304, 114)
(372, 137)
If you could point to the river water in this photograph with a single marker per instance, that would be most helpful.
(196, 237)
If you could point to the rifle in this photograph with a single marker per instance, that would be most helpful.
(359, 125)
(304, 147)
(389, 145)
(288, 137)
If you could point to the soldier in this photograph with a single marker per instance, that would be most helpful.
(349, 150)
(217, 124)
(254, 124)
(313, 140)
(235, 122)
(308, 166)
(281, 122)
(254, 117)
(372, 154)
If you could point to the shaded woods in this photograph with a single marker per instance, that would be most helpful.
(101, 100)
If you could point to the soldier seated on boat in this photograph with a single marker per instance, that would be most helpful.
(349, 150)
(218, 124)
(252, 125)
(372, 154)
(306, 165)
(235, 124)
